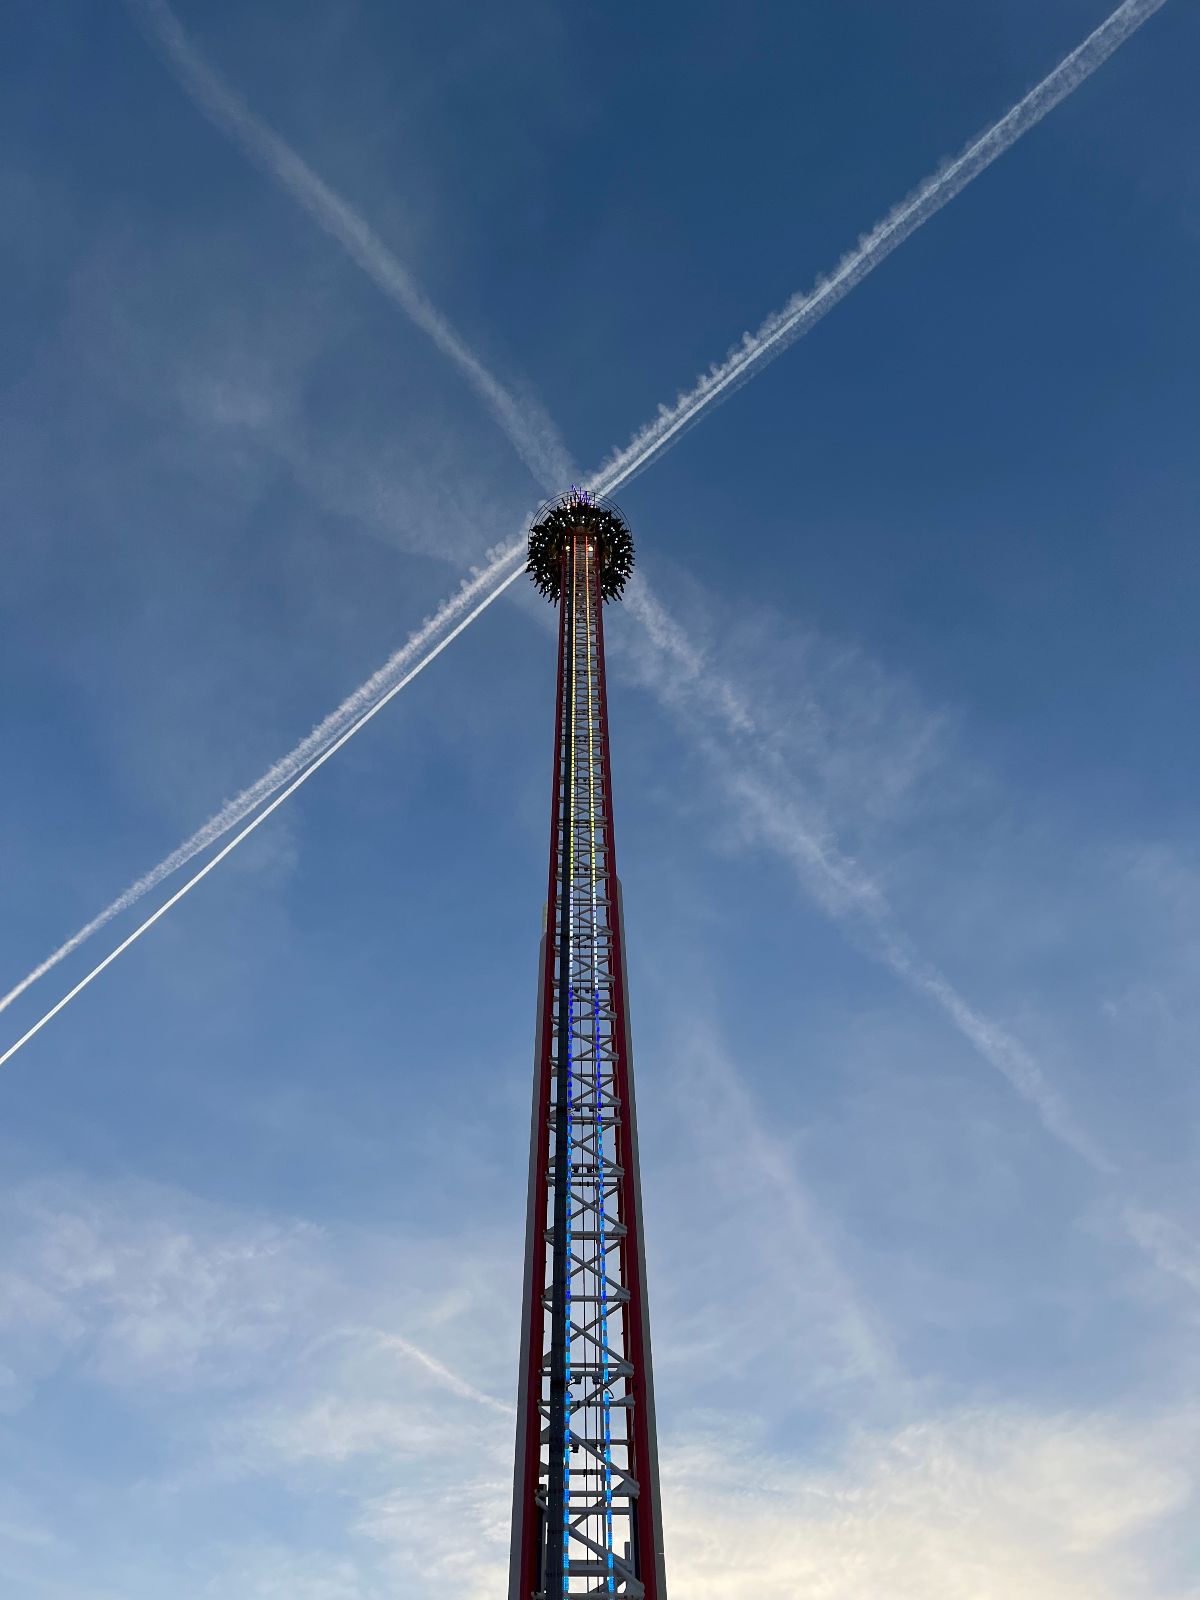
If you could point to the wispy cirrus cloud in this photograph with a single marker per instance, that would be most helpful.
(526, 425)
(137, 1289)
(772, 783)
(226, 1333)
(771, 1261)
(216, 1343)
(990, 1503)
(771, 793)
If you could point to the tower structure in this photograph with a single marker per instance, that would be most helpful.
(586, 1515)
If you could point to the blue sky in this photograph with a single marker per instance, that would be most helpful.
(913, 935)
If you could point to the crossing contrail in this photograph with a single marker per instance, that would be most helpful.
(530, 431)
(301, 778)
(496, 575)
(780, 330)
(765, 792)
(804, 311)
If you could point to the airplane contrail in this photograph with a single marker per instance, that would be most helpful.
(443, 1374)
(397, 1344)
(496, 575)
(530, 431)
(803, 311)
(776, 334)
(717, 718)
(301, 778)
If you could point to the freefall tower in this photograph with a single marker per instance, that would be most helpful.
(586, 1515)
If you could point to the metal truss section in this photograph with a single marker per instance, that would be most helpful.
(586, 1515)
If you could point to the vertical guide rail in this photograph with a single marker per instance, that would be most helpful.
(527, 1560)
(585, 1508)
(562, 1263)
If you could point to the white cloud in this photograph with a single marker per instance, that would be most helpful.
(784, 782)
(399, 1436)
(279, 1573)
(446, 1537)
(142, 1288)
(351, 1399)
(1167, 1245)
(421, 1459)
(983, 1505)
(768, 1287)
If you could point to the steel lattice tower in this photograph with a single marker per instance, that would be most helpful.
(586, 1517)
